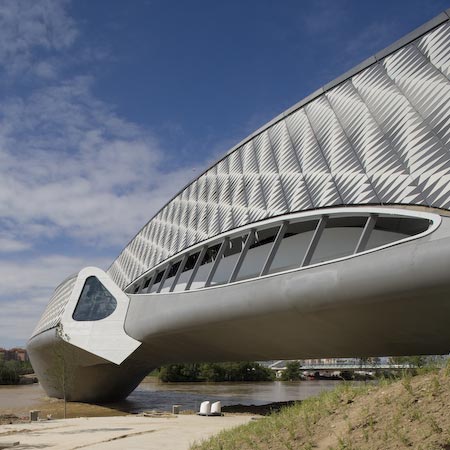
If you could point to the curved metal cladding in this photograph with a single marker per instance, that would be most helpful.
(55, 308)
(381, 136)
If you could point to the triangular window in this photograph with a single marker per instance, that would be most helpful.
(95, 302)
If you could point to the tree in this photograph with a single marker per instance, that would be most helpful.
(292, 372)
(179, 372)
(9, 374)
(212, 372)
(231, 371)
(12, 370)
(62, 372)
(246, 371)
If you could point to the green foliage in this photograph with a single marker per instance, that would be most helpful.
(237, 371)
(245, 371)
(179, 372)
(291, 428)
(403, 418)
(213, 372)
(11, 371)
(406, 381)
(292, 372)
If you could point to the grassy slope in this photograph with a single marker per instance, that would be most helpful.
(412, 413)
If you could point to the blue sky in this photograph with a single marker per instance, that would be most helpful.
(109, 107)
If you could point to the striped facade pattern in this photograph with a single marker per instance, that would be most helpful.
(380, 137)
(55, 308)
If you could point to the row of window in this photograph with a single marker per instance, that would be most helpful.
(279, 247)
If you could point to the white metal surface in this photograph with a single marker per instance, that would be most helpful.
(54, 310)
(105, 338)
(380, 137)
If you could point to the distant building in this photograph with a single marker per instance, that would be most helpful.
(14, 354)
(18, 354)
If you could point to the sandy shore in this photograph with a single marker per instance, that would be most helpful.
(174, 432)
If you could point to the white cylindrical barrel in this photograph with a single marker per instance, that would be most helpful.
(205, 408)
(216, 408)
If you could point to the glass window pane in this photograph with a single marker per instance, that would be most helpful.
(293, 246)
(147, 282)
(391, 229)
(174, 269)
(228, 260)
(95, 302)
(190, 263)
(257, 254)
(339, 239)
(205, 267)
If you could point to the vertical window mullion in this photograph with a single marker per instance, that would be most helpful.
(315, 240)
(217, 259)
(164, 278)
(179, 272)
(249, 241)
(200, 258)
(273, 251)
(152, 280)
(365, 235)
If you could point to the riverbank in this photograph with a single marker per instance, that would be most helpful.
(116, 433)
(410, 413)
(153, 395)
(256, 410)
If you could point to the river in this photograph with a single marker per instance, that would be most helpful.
(153, 395)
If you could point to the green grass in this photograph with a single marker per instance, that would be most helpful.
(292, 426)
(402, 422)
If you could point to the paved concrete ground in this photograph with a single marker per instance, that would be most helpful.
(125, 432)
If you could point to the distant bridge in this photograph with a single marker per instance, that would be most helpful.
(278, 366)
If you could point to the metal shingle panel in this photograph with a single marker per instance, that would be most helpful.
(380, 136)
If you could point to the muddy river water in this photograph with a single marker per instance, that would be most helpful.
(152, 395)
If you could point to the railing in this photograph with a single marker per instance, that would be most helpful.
(367, 367)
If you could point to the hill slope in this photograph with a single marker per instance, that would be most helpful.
(409, 413)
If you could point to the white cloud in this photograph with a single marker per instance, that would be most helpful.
(29, 26)
(10, 245)
(69, 164)
(73, 172)
(68, 161)
(19, 319)
(27, 286)
(45, 69)
(41, 275)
